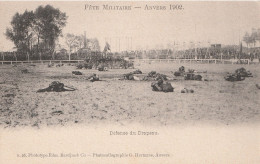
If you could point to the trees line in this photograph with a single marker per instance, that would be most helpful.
(36, 32)
(35, 35)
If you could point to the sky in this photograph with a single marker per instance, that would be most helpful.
(204, 22)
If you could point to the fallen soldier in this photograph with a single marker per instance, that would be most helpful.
(234, 77)
(137, 72)
(182, 69)
(102, 68)
(191, 76)
(56, 86)
(185, 90)
(79, 66)
(76, 73)
(180, 72)
(177, 73)
(160, 76)
(200, 71)
(24, 71)
(129, 76)
(243, 73)
(151, 74)
(50, 64)
(59, 65)
(154, 76)
(162, 86)
(93, 78)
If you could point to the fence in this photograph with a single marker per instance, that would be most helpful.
(205, 61)
(201, 61)
(41, 61)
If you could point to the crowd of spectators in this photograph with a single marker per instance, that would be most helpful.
(222, 53)
(231, 52)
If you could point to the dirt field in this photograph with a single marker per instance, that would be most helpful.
(112, 101)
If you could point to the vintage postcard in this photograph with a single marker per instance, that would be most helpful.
(129, 82)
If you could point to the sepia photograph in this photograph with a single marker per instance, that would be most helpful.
(130, 82)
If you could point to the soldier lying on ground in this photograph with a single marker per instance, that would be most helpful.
(102, 68)
(93, 78)
(24, 71)
(191, 76)
(160, 76)
(239, 75)
(129, 76)
(138, 71)
(180, 72)
(50, 64)
(56, 86)
(154, 76)
(182, 69)
(79, 66)
(151, 74)
(162, 86)
(243, 73)
(185, 90)
(76, 73)
(150, 77)
(59, 65)
(234, 77)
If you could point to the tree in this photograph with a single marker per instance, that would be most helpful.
(73, 41)
(93, 44)
(41, 28)
(246, 38)
(21, 32)
(48, 25)
(70, 39)
(253, 36)
(80, 41)
(258, 35)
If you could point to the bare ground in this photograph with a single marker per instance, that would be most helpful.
(112, 101)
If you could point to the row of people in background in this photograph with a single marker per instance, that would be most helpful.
(199, 53)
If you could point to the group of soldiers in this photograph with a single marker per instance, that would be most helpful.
(187, 75)
(159, 81)
(239, 75)
(162, 86)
